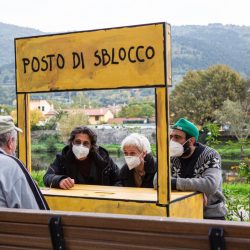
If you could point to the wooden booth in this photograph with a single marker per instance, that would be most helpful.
(124, 57)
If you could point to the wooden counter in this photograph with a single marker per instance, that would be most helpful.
(123, 200)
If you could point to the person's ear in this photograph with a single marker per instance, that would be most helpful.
(9, 143)
(192, 141)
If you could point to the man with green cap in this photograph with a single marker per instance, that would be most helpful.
(196, 167)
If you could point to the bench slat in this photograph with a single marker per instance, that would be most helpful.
(22, 228)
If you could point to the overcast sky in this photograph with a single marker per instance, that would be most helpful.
(73, 15)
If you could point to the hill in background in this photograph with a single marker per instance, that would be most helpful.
(198, 47)
(193, 47)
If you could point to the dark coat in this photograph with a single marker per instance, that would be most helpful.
(150, 167)
(103, 170)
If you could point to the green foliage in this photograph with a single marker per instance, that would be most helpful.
(35, 116)
(80, 100)
(136, 109)
(69, 122)
(202, 92)
(231, 149)
(51, 142)
(213, 133)
(237, 116)
(5, 109)
(238, 193)
(38, 177)
(48, 143)
(237, 201)
(244, 169)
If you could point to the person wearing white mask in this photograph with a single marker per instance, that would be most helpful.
(82, 161)
(196, 167)
(140, 166)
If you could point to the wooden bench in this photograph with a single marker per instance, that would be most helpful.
(29, 229)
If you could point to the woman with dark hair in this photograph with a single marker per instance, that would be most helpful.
(82, 161)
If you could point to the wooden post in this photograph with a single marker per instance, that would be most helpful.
(162, 144)
(23, 120)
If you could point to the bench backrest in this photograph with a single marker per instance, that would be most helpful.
(31, 229)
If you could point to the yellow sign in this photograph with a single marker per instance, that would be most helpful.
(112, 58)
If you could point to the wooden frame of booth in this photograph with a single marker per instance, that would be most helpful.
(124, 57)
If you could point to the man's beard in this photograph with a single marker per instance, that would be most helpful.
(187, 149)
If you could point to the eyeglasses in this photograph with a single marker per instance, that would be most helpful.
(79, 142)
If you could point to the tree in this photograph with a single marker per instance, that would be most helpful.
(69, 122)
(235, 114)
(5, 110)
(141, 110)
(35, 117)
(80, 100)
(202, 92)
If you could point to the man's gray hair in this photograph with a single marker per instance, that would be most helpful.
(138, 140)
(4, 138)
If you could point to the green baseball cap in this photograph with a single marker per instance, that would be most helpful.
(7, 124)
(187, 127)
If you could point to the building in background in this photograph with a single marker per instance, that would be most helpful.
(98, 115)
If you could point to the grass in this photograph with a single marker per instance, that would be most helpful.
(242, 188)
(38, 177)
(237, 201)
(232, 149)
(43, 147)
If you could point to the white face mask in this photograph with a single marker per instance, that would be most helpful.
(80, 151)
(132, 161)
(175, 149)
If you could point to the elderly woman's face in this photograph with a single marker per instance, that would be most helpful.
(131, 151)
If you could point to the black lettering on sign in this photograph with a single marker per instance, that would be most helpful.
(105, 55)
(129, 54)
(113, 57)
(150, 52)
(122, 54)
(98, 57)
(77, 60)
(35, 64)
(137, 54)
(26, 62)
(46, 64)
(60, 61)
(50, 61)
(132, 54)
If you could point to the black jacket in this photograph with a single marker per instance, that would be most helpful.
(103, 170)
(150, 167)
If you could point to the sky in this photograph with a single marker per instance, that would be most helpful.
(79, 15)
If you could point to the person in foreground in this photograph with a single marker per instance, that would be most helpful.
(140, 166)
(196, 167)
(17, 188)
(82, 161)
